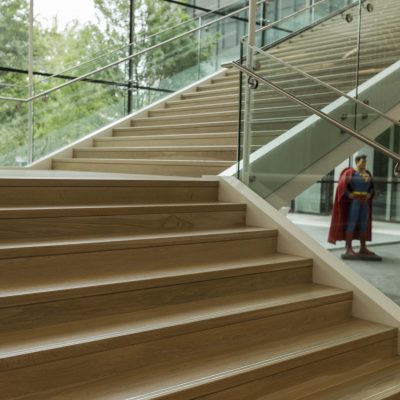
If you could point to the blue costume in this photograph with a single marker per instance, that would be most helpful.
(360, 186)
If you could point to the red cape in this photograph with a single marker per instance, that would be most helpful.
(340, 210)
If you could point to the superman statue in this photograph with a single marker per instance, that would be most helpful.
(352, 210)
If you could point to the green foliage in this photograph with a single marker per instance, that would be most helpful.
(80, 108)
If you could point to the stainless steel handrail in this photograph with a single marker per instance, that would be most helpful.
(388, 153)
(120, 61)
(327, 85)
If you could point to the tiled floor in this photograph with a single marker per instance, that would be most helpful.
(384, 275)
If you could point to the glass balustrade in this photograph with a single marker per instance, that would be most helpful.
(301, 17)
(311, 211)
(72, 111)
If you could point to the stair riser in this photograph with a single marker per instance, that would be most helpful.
(230, 140)
(193, 111)
(228, 126)
(220, 155)
(297, 383)
(59, 196)
(218, 86)
(43, 269)
(77, 369)
(187, 119)
(234, 80)
(79, 308)
(188, 327)
(146, 169)
(234, 91)
(17, 230)
(194, 102)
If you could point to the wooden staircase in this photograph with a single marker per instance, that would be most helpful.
(154, 289)
(197, 134)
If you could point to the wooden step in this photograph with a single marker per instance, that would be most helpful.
(179, 168)
(230, 91)
(137, 262)
(28, 224)
(184, 110)
(188, 118)
(36, 346)
(383, 384)
(198, 127)
(194, 139)
(72, 192)
(82, 297)
(150, 289)
(308, 381)
(222, 153)
(196, 371)
(216, 86)
(200, 101)
(9, 250)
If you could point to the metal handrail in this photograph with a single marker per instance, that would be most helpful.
(388, 153)
(120, 61)
(110, 52)
(327, 85)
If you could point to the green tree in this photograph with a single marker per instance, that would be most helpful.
(82, 107)
(13, 54)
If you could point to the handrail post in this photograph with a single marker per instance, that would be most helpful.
(248, 93)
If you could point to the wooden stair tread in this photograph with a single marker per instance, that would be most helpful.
(143, 161)
(160, 148)
(378, 385)
(175, 126)
(203, 115)
(118, 209)
(245, 306)
(158, 277)
(114, 242)
(145, 181)
(172, 136)
(232, 363)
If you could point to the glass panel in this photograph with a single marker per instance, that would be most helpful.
(280, 129)
(69, 44)
(13, 81)
(13, 134)
(73, 111)
(13, 48)
(385, 232)
(85, 106)
(380, 52)
(287, 25)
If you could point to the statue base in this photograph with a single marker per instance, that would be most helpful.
(362, 257)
